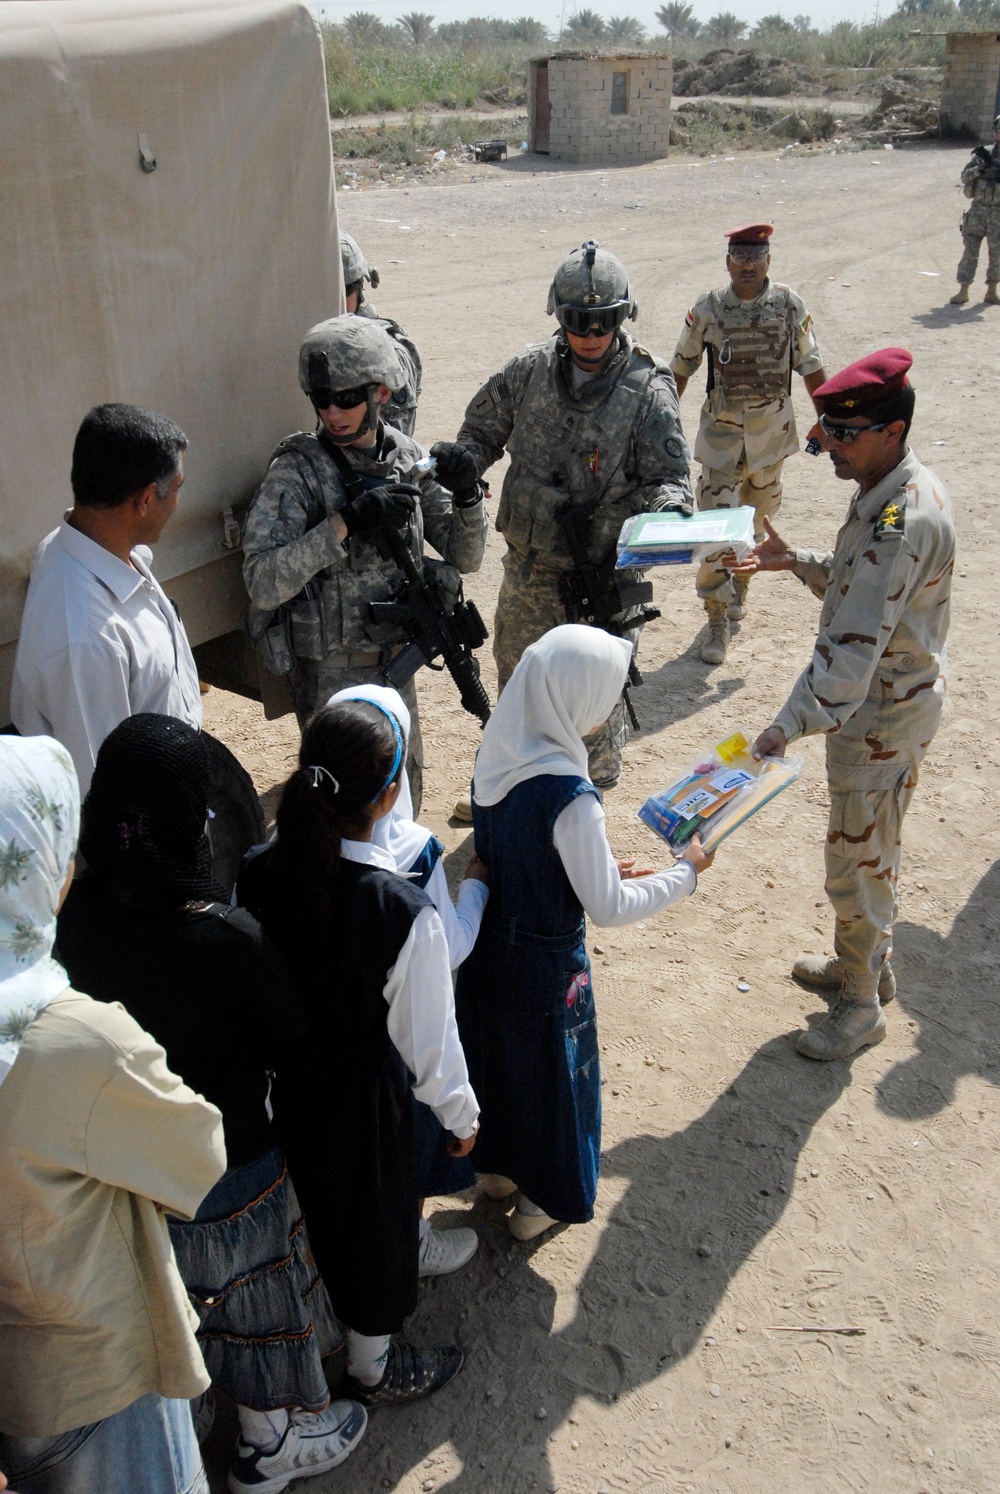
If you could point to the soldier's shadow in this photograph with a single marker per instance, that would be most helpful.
(958, 1027)
(697, 1204)
(947, 316)
(679, 688)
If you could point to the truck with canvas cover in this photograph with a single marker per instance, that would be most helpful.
(168, 235)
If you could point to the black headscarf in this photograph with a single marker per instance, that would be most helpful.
(145, 817)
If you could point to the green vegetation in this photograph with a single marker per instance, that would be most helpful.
(375, 68)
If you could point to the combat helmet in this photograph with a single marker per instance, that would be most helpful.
(356, 268)
(591, 290)
(348, 353)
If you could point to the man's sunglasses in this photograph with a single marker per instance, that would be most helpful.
(583, 319)
(845, 434)
(344, 399)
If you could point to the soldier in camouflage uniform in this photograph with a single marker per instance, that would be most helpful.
(756, 333)
(981, 182)
(311, 564)
(401, 411)
(875, 685)
(590, 418)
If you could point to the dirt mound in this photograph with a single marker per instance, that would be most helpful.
(744, 72)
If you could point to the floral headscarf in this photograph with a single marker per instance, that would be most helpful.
(39, 824)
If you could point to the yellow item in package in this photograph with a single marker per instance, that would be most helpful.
(717, 794)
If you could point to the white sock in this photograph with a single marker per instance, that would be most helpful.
(366, 1356)
(264, 1429)
(425, 1229)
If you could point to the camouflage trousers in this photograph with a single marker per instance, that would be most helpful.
(982, 221)
(313, 681)
(760, 491)
(528, 606)
(863, 845)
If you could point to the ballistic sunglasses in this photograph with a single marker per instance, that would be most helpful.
(845, 434)
(748, 254)
(583, 319)
(344, 399)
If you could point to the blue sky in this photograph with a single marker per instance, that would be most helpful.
(822, 12)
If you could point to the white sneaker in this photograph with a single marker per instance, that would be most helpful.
(463, 809)
(314, 1442)
(445, 1250)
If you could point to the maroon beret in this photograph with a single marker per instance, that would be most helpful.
(750, 233)
(866, 384)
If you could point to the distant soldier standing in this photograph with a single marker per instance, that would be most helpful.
(401, 410)
(592, 423)
(875, 683)
(981, 182)
(756, 333)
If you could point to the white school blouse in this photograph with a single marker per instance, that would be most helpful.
(421, 1021)
(581, 839)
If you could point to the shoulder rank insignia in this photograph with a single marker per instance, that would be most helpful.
(891, 520)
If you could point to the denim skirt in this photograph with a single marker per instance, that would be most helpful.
(266, 1324)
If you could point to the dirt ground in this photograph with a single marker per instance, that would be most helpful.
(747, 1194)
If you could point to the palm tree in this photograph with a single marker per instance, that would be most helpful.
(725, 28)
(585, 27)
(676, 18)
(418, 26)
(363, 28)
(626, 31)
(527, 29)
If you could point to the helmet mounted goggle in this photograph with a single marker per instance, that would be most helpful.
(600, 319)
(323, 397)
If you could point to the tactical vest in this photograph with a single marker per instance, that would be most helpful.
(564, 449)
(986, 189)
(753, 361)
(336, 601)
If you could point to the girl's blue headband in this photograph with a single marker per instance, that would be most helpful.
(397, 731)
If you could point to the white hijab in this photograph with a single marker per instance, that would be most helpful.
(566, 684)
(396, 832)
(39, 825)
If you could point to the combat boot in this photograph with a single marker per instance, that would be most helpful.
(961, 296)
(827, 974)
(736, 611)
(713, 650)
(855, 1020)
(991, 296)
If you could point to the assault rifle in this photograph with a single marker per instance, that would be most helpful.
(439, 623)
(988, 162)
(600, 594)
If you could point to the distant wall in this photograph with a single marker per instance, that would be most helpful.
(971, 77)
(601, 110)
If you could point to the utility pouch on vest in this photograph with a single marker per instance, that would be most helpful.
(306, 632)
(530, 517)
(269, 634)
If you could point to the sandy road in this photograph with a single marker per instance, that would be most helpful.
(744, 1190)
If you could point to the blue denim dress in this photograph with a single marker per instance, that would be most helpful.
(525, 1006)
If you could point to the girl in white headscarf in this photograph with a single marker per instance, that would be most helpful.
(98, 1141)
(417, 854)
(525, 1000)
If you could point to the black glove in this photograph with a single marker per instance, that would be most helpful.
(457, 471)
(388, 507)
(678, 506)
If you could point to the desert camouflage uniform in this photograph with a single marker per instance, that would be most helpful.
(747, 423)
(401, 411)
(614, 445)
(876, 687)
(288, 545)
(982, 220)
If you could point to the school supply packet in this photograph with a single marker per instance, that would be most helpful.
(680, 539)
(718, 793)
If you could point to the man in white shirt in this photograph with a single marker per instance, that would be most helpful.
(100, 640)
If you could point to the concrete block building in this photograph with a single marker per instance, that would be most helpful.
(971, 94)
(600, 110)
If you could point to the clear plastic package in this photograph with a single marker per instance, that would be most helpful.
(680, 539)
(722, 789)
